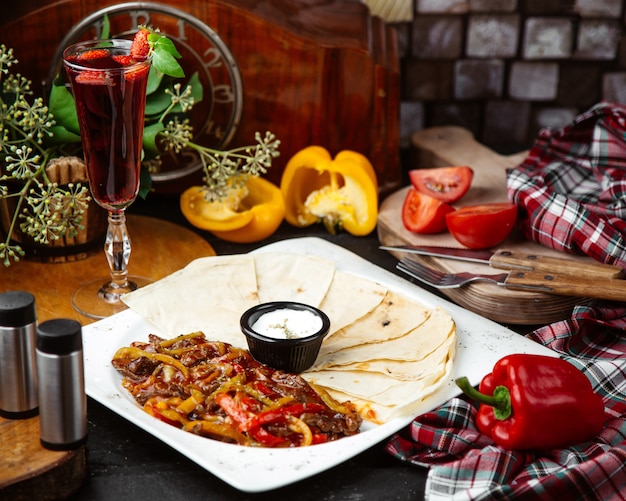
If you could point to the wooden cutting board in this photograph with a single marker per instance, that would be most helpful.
(443, 146)
(27, 470)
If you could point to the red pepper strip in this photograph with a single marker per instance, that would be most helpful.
(168, 416)
(240, 416)
(536, 402)
(319, 438)
(265, 438)
(230, 407)
(280, 414)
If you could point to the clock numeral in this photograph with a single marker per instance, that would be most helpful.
(223, 94)
(140, 17)
(213, 58)
(181, 29)
(189, 157)
(214, 130)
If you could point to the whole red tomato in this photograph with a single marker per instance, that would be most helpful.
(447, 184)
(424, 214)
(482, 226)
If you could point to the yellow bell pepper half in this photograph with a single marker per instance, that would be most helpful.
(246, 217)
(340, 192)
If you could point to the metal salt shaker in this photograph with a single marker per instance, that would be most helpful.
(18, 376)
(62, 398)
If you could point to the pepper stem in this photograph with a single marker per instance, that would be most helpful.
(500, 401)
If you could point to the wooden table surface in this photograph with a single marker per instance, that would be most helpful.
(159, 248)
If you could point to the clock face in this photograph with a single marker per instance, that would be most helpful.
(204, 55)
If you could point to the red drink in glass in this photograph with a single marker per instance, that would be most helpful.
(109, 88)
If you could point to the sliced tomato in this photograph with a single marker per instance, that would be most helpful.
(482, 226)
(424, 214)
(447, 184)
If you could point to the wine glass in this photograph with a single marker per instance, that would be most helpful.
(109, 89)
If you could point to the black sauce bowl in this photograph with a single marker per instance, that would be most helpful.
(289, 355)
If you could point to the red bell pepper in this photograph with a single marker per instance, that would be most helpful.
(536, 402)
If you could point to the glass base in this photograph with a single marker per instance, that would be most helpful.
(95, 300)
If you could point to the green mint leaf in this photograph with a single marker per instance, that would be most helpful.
(166, 63)
(154, 80)
(106, 28)
(164, 44)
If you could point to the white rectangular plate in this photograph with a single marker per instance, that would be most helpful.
(481, 343)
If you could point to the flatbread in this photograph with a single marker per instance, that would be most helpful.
(414, 346)
(363, 296)
(293, 277)
(377, 387)
(381, 399)
(402, 370)
(392, 318)
(209, 295)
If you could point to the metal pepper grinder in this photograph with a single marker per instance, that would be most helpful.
(62, 398)
(18, 376)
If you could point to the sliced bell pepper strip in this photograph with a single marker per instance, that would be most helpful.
(240, 415)
(280, 414)
(247, 216)
(341, 192)
(237, 413)
(132, 353)
(204, 427)
(300, 427)
(536, 402)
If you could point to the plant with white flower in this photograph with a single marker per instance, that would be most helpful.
(43, 210)
(32, 135)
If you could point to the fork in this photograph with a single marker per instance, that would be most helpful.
(551, 283)
(442, 280)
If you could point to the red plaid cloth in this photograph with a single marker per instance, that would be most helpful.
(572, 187)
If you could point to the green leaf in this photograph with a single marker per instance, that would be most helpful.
(145, 183)
(63, 109)
(61, 136)
(163, 44)
(106, 28)
(196, 88)
(157, 103)
(150, 133)
(166, 63)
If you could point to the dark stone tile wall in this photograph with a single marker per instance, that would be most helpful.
(506, 68)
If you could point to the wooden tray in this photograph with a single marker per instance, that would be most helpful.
(27, 470)
(442, 146)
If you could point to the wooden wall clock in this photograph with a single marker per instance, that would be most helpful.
(321, 72)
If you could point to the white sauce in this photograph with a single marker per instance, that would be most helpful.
(286, 323)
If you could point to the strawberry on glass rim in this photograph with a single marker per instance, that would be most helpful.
(145, 44)
(140, 49)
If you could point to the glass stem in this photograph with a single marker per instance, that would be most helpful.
(117, 250)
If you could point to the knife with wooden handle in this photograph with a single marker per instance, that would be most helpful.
(567, 285)
(510, 260)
